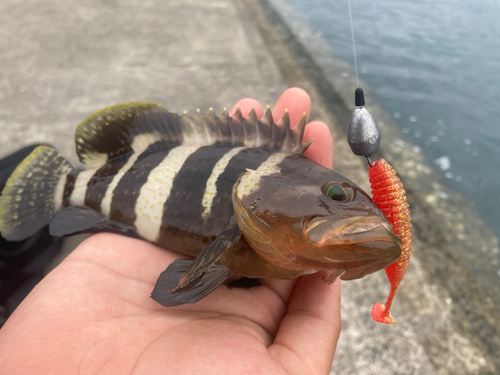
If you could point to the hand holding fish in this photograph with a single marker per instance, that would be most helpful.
(93, 312)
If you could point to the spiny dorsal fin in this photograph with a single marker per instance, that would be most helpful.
(250, 129)
(132, 127)
(298, 133)
(237, 131)
(193, 129)
(229, 130)
(279, 130)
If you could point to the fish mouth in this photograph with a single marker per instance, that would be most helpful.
(352, 230)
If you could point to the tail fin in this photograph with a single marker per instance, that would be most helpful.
(33, 193)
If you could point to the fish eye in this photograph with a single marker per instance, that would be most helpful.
(338, 192)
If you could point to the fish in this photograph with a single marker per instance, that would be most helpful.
(236, 193)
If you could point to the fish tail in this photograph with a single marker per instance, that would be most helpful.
(33, 193)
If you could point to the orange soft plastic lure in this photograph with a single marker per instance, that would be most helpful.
(390, 198)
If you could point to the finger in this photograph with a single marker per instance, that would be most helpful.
(283, 288)
(321, 150)
(296, 101)
(308, 333)
(246, 106)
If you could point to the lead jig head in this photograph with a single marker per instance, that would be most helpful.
(363, 134)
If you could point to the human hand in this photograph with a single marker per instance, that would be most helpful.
(92, 314)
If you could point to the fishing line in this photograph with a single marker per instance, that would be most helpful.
(353, 43)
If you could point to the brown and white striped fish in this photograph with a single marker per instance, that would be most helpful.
(234, 192)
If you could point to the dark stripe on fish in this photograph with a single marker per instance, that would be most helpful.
(100, 181)
(68, 188)
(299, 166)
(127, 191)
(222, 207)
(183, 208)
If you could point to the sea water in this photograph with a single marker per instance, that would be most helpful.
(435, 65)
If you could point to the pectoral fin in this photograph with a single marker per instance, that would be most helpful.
(210, 254)
(329, 276)
(199, 288)
(190, 280)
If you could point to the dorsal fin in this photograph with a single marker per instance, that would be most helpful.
(132, 127)
(123, 129)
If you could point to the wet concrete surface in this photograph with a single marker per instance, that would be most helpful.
(62, 61)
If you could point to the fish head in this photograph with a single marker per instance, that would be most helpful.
(303, 216)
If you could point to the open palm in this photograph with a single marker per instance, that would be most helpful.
(93, 314)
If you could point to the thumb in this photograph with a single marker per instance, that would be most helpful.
(308, 334)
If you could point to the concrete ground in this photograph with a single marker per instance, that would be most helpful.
(61, 61)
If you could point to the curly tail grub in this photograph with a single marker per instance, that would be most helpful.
(389, 196)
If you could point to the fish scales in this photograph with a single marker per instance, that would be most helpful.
(69, 186)
(80, 187)
(100, 181)
(156, 191)
(246, 158)
(211, 184)
(184, 214)
(236, 192)
(125, 195)
(183, 209)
